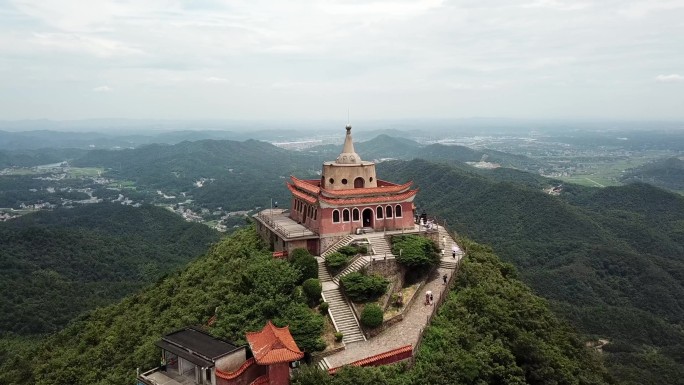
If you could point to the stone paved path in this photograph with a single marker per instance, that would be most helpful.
(400, 334)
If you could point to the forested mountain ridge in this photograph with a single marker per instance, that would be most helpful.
(57, 264)
(384, 146)
(240, 174)
(666, 173)
(610, 260)
(31, 158)
(491, 329)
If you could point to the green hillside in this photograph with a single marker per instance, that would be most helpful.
(57, 264)
(610, 260)
(666, 173)
(30, 158)
(243, 173)
(491, 328)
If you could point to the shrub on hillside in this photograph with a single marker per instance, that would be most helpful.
(323, 307)
(363, 288)
(306, 263)
(312, 289)
(348, 250)
(336, 262)
(415, 251)
(371, 316)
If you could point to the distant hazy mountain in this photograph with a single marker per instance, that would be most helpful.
(242, 174)
(30, 158)
(667, 173)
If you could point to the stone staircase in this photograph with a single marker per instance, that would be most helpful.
(450, 243)
(380, 245)
(448, 264)
(446, 242)
(324, 364)
(356, 265)
(323, 274)
(342, 242)
(342, 316)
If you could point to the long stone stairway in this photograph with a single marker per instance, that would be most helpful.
(380, 245)
(323, 274)
(342, 316)
(447, 243)
(356, 265)
(342, 242)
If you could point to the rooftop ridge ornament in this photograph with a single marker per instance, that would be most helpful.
(348, 155)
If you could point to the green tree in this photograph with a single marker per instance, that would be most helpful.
(305, 263)
(312, 289)
(362, 288)
(371, 316)
(415, 251)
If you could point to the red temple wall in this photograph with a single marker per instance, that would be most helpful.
(279, 374)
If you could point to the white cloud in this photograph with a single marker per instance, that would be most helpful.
(214, 79)
(80, 43)
(394, 56)
(671, 78)
(102, 89)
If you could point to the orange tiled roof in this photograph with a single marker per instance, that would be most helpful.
(400, 353)
(236, 373)
(305, 197)
(306, 185)
(273, 345)
(393, 188)
(366, 200)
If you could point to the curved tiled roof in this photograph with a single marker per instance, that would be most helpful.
(236, 373)
(382, 358)
(372, 199)
(303, 196)
(273, 345)
(305, 185)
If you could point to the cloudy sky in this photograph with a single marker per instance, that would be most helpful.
(259, 59)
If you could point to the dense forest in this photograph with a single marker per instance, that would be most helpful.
(237, 280)
(491, 328)
(611, 261)
(57, 264)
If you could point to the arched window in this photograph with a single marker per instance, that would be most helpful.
(397, 211)
(378, 213)
(355, 215)
(336, 216)
(388, 212)
(345, 215)
(315, 213)
(359, 182)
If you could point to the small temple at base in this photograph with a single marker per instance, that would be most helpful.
(347, 199)
(192, 356)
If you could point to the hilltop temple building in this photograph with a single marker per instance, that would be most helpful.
(347, 199)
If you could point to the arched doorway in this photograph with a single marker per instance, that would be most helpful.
(367, 217)
(359, 182)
